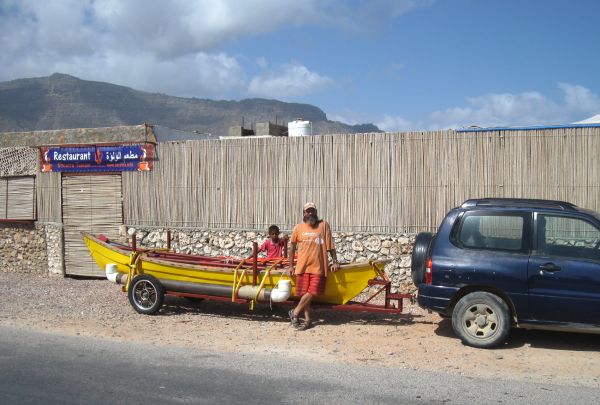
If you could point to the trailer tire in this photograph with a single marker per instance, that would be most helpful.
(418, 257)
(146, 294)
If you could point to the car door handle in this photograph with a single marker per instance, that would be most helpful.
(549, 267)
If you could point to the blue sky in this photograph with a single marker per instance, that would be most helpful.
(405, 64)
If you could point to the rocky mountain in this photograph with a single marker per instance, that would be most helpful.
(62, 101)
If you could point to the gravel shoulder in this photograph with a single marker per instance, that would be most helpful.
(414, 340)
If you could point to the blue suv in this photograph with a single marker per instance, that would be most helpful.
(501, 263)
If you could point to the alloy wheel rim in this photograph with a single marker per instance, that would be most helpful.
(144, 294)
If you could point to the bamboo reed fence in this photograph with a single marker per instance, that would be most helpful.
(49, 197)
(17, 199)
(378, 183)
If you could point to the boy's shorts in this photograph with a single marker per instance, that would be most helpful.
(311, 283)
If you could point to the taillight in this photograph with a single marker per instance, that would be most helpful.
(428, 273)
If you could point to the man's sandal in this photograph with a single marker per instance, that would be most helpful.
(295, 322)
(304, 326)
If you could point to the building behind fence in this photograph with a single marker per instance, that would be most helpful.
(377, 183)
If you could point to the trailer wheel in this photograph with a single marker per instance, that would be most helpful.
(418, 257)
(146, 294)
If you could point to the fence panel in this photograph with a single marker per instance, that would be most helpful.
(388, 183)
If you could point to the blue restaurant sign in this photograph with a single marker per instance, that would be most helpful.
(97, 158)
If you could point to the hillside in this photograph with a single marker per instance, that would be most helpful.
(63, 101)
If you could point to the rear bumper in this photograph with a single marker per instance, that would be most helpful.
(435, 298)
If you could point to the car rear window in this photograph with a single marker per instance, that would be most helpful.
(489, 231)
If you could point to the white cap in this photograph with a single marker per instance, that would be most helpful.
(309, 205)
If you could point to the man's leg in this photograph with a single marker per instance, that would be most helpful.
(307, 310)
(316, 287)
(304, 301)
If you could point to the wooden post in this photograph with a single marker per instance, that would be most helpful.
(168, 239)
(254, 262)
(134, 242)
(285, 247)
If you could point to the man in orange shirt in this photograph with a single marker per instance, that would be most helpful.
(313, 240)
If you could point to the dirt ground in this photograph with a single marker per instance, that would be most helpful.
(413, 340)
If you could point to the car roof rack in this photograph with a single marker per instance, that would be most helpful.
(518, 202)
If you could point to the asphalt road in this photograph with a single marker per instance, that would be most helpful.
(52, 368)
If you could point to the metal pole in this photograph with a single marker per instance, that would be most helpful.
(254, 262)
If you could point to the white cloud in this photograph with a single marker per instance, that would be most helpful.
(289, 80)
(496, 109)
(526, 108)
(176, 27)
(214, 75)
(345, 117)
(120, 42)
(394, 123)
(156, 46)
(187, 76)
(579, 99)
(262, 62)
(363, 17)
(140, 43)
(386, 122)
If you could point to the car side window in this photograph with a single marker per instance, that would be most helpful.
(568, 237)
(489, 231)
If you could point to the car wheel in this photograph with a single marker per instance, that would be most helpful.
(146, 294)
(481, 319)
(418, 257)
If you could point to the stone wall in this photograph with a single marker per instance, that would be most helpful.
(55, 248)
(23, 248)
(351, 247)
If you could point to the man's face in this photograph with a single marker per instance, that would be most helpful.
(310, 216)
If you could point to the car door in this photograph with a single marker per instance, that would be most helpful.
(490, 249)
(564, 270)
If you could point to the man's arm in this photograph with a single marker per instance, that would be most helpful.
(331, 247)
(335, 266)
(292, 257)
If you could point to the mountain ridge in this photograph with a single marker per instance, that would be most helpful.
(61, 101)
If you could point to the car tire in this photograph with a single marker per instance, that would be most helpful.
(146, 294)
(481, 319)
(418, 257)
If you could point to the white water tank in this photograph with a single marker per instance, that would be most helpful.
(299, 127)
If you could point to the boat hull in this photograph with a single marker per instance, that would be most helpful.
(341, 286)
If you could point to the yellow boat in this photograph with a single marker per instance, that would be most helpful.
(193, 275)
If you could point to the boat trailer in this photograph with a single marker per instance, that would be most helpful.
(379, 299)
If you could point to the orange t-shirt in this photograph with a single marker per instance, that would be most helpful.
(313, 244)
